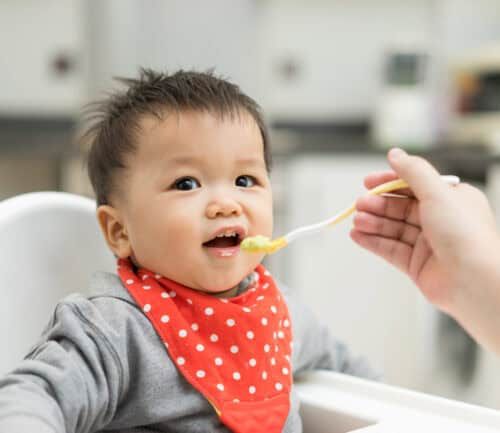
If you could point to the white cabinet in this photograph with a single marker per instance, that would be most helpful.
(173, 34)
(322, 60)
(365, 302)
(41, 57)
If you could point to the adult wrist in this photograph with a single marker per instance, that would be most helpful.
(475, 300)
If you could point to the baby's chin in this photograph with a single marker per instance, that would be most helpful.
(220, 288)
(221, 284)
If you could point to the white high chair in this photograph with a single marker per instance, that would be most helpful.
(50, 244)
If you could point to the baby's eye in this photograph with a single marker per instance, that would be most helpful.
(186, 184)
(245, 181)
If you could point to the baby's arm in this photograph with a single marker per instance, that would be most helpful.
(70, 382)
(315, 348)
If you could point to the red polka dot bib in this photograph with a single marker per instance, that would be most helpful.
(235, 351)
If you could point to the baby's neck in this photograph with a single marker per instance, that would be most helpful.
(230, 293)
(239, 289)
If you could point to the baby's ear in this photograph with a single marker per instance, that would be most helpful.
(114, 231)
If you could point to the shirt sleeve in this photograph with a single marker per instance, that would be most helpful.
(314, 347)
(70, 382)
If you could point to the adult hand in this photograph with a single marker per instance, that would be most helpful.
(444, 237)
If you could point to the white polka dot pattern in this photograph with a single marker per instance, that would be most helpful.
(231, 349)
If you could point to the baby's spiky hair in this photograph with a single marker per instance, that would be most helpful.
(114, 122)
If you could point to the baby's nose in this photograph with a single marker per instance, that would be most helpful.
(224, 207)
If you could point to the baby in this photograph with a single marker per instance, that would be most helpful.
(192, 334)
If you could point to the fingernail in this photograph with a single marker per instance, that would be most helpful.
(397, 153)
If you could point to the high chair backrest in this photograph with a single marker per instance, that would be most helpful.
(50, 244)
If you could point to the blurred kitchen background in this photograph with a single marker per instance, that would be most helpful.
(340, 82)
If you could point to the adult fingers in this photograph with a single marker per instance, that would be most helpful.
(395, 252)
(422, 177)
(375, 179)
(387, 228)
(403, 209)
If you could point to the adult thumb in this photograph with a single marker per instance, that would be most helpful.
(423, 178)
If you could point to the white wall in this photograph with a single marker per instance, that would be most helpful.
(463, 25)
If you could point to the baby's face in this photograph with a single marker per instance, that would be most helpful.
(197, 186)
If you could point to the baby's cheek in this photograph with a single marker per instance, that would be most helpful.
(266, 222)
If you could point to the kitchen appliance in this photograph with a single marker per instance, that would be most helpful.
(405, 111)
(475, 119)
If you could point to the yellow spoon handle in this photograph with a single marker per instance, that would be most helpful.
(393, 185)
(380, 189)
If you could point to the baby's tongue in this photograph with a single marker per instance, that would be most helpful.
(222, 242)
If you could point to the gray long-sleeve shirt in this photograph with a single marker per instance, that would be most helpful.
(100, 366)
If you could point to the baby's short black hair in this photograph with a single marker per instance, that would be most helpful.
(115, 121)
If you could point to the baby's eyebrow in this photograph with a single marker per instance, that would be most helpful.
(193, 159)
(250, 161)
(186, 159)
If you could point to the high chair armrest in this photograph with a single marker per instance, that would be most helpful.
(336, 403)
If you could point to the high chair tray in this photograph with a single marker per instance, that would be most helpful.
(337, 403)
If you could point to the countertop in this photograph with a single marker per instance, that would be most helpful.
(470, 162)
(55, 138)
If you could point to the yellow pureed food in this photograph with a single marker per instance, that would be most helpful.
(259, 243)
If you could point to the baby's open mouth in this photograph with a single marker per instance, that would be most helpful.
(225, 240)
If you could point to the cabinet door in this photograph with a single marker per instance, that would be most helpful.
(41, 70)
(321, 60)
(364, 301)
